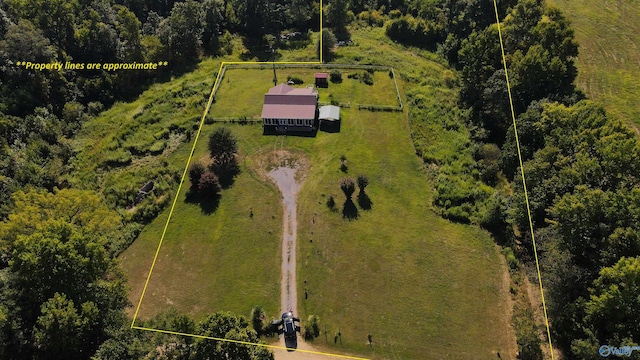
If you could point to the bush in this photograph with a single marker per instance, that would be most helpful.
(312, 327)
(257, 320)
(367, 78)
(331, 203)
(295, 79)
(411, 31)
(363, 181)
(335, 76)
(348, 187)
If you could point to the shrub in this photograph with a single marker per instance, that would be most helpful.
(335, 76)
(331, 203)
(367, 78)
(363, 181)
(312, 327)
(295, 79)
(348, 187)
(257, 320)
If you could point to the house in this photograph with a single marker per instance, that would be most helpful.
(289, 109)
(329, 118)
(321, 79)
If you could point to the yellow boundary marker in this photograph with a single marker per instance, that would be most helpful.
(216, 84)
(524, 183)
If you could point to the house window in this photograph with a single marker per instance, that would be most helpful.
(298, 122)
(290, 121)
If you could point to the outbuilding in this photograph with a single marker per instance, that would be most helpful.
(329, 117)
(321, 80)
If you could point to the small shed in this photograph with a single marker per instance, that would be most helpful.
(329, 117)
(322, 79)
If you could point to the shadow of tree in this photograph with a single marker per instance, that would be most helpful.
(208, 204)
(364, 201)
(349, 210)
(258, 49)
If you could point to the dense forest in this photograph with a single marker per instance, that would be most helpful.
(62, 294)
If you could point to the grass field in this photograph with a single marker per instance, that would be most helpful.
(422, 286)
(609, 60)
(213, 262)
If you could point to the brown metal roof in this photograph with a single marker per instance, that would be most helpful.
(286, 102)
(279, 111)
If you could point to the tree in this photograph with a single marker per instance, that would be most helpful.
(184, 32)
(34, 208)
(129, 32)
(68, 288)
(222, 143)
(348, 187)
(22, 90)
(64, 331)
(209, 184)
(610, 310)
(363, 181)
(337, 16)
(226, 168)
(328, 44)
(228, 326)
(213, 13)
(195, 172)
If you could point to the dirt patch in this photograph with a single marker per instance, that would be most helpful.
(264, 162)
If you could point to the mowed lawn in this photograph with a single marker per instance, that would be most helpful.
(221, 261)
(422, 286)
(609, 60)
(242, 90)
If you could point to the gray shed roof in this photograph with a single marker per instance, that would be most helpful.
(329, 112)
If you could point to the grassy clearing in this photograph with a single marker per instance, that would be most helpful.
(609, 61)
(233, 100)
(213, 262)
(423, 287)
(419, 284)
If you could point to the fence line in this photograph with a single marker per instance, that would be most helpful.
(399, 107)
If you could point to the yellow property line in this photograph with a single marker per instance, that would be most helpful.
(524, 183)
(247, 343)
(216, 84)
